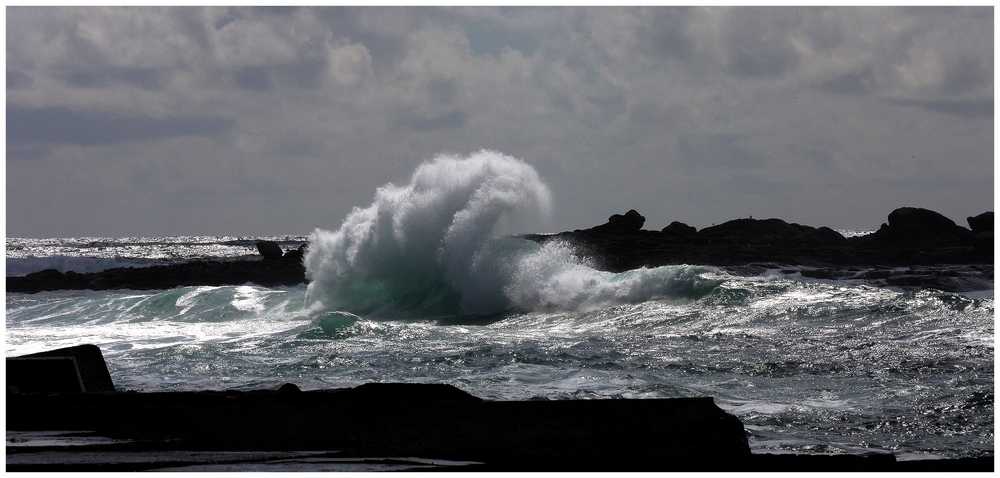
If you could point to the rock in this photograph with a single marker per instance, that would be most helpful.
(406, 392)
(289, 388)
(269, 249)
(79, 369)
(631, 221)
(267, 273)
(680, 229)
(295, 254)
(407, 421)
(913, 225)
(824, 235)
(755, 231)
(982, 222)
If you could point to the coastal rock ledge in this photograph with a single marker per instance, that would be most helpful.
(267, 430)
(916, 248)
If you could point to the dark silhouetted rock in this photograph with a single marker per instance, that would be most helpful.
(289, 388)
(982, 222)
(752, 230)
(267, 273)
(71, 369)
(406, 392)
(295, 254)
(269, 249)
(769, 231)
(631, 221)
(691, 431)
(913, 224)
(751, 246)
(680, 229)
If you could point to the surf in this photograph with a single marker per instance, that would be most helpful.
(430, 248)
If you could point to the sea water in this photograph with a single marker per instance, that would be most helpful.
(420, 287)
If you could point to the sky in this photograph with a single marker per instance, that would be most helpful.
(140, 121)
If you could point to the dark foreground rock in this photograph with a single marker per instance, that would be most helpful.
(916, 248)
(370, 427)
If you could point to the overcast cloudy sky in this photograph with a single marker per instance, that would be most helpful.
(247, 121)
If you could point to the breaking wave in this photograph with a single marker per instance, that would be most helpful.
(429, 248)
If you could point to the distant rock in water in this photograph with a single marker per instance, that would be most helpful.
(269, 272)
(763, 231)
(680, 229)
(295, 254)
(913, 224)
(982, 222)
(270, 250)
(631, 221)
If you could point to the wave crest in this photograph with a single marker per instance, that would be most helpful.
(426, 249)
(417, 246)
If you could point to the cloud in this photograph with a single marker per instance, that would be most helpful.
(982, 108)
(61, 126)
(660, 109)
(447, 121)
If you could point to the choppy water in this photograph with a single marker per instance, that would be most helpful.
(415, 288)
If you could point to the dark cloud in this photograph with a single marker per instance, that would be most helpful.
(107, 76)
(967, 73)
(441, 91)
(982, 108)
(60, 126)
(276, 10)
(301, 147)
(666, 33)
(17, 80)
(254, 78)
(855, 83)
(27, 151)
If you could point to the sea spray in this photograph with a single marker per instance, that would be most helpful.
(554, 278)
(418, 246)
(427, 249)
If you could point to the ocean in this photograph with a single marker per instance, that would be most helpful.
(423, 286)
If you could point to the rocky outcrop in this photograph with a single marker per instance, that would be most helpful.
(924, 242)
(918, 225)
(981, 223)
(266, 272)
(680, 229)
(270, 250)
(631, 221)
(767, 231)
(395, 419)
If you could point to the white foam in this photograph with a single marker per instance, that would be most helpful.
(417, 241)
(428, 247)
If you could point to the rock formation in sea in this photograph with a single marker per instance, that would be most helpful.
(916, 248)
